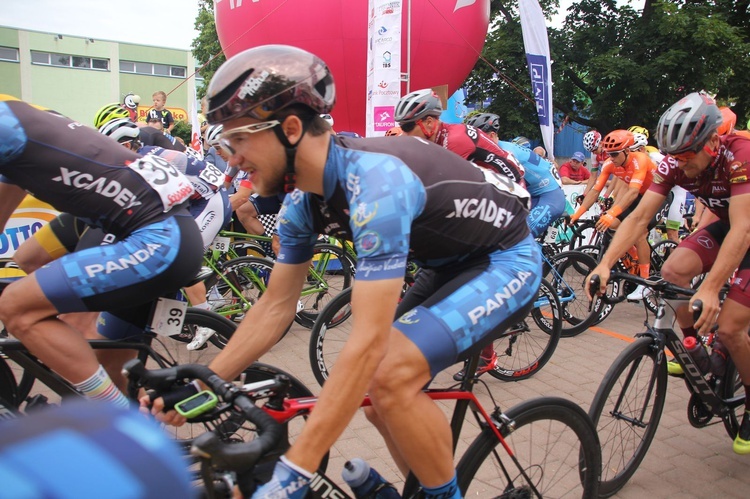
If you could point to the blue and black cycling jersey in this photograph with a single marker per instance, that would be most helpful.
(439, 210)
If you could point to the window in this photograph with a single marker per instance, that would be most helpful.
(8, 54)
(69, 61)
(147, 68)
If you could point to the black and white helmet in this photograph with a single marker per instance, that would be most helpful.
(486, 122)
(640, 141)
(688, 123)
(417, 106)
(122, 130)
(213, 134)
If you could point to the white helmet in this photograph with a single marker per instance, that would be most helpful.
(213, 134)
(328, 118)
(640, 141)
(122, 130)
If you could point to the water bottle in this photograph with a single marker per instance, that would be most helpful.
(697, 353)
(719, 355)
(365, 482)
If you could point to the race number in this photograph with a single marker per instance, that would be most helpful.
(551, 236)
(221, 244)
(212, 175)
(173, 188)
(168, 317)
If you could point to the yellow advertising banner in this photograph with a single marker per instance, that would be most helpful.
(178, 113)
(28, 218)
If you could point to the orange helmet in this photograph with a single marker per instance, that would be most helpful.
(618, 140)
(730, 119)
(394, 132)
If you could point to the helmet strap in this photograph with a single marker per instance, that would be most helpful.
(290, 176)
(427, 134)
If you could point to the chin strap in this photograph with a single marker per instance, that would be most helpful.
(290, 176)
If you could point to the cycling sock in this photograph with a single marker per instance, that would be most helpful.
(100, 387)
(448, 490)
(204, 306)
(643, 270)
(689, 331)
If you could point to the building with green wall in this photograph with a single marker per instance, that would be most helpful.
(76, 76)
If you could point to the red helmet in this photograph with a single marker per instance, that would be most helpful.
(261, 81)
(617, 140)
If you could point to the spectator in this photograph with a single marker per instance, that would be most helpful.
(540, 151)
(167, 120)
(574, 172)
(153, 133)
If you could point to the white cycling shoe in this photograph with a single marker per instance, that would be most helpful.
(201, 336)
(639, 293)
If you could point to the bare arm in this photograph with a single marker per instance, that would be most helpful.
(355, 366)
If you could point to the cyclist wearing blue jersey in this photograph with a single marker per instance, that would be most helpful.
(395, 197)
(541, 177)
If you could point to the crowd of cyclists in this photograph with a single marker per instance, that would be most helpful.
(137, 215)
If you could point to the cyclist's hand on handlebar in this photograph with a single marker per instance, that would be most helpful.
(155, 407)
(604, 222)
(601, 274)
(711, 307)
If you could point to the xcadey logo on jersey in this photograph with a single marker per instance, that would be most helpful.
(483, 209)
(103, 186)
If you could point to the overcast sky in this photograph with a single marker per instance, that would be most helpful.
(162, 23)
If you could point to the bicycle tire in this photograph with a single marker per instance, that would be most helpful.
(613, 288)
(568, 279)
(334, 280)
(584, 234)
(249, 275)
(9, 397)
(623, 444)
(731, 387)
(522, 353)
(548, 432)
(329, 334)
(660, 252)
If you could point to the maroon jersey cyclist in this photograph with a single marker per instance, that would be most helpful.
(715, 170)
(418, 115)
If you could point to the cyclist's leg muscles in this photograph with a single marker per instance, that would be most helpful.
(453, 324)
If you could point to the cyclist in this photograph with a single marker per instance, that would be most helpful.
(394, 132)
(634, 172)
(592, 141)
(678, 195)
(418, 115)
(139, 200)
(714, 168)
(148, 135)
(392, 196)
(214, 153)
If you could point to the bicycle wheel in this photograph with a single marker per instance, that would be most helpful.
(584, 234)
(331, 271)
(9, 399)
(527, 347)
(556, 447)
(660, 252)
(567, 273)
(733, 392)
(242, 282)
(613, 290)
(626, 411)
(329, 334)
(174, 348)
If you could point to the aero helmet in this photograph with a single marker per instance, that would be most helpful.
(261, 81)
(617, 140)
(486, 122)
(122, 130)
(213, 134)
(688, 123)
(639, 129)
(730, 120)
(591, 140)
(522, 141)
(639, 140)
(110, 112)
(394, 132)
(418, 105)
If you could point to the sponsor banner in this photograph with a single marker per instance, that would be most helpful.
(384, 65)
(195, 133)
(536, 44)
(28, 218)
(178, 113)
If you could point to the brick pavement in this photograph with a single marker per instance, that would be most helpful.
(683, 461)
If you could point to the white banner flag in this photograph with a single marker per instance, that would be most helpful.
(383, 65)
(195, 134)
(536, 43)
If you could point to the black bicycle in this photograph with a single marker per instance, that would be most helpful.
(628, 405)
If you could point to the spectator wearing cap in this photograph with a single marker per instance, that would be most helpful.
(574, 172)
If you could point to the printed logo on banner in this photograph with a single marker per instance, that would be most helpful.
(387, 59)
(383, 118)
(538, 72)
(382, 31)
(383, 84)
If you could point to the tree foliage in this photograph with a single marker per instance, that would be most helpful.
(206, 47)
(615, 65)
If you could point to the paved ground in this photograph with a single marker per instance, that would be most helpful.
(682, 462)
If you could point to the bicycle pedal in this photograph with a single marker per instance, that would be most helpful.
(37, 402)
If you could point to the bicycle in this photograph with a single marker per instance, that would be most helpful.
(545, 447)
(521, 351)
(628, 405)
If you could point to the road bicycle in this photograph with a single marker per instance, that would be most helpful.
(628, 405)
(521, 351)
(544, 447)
